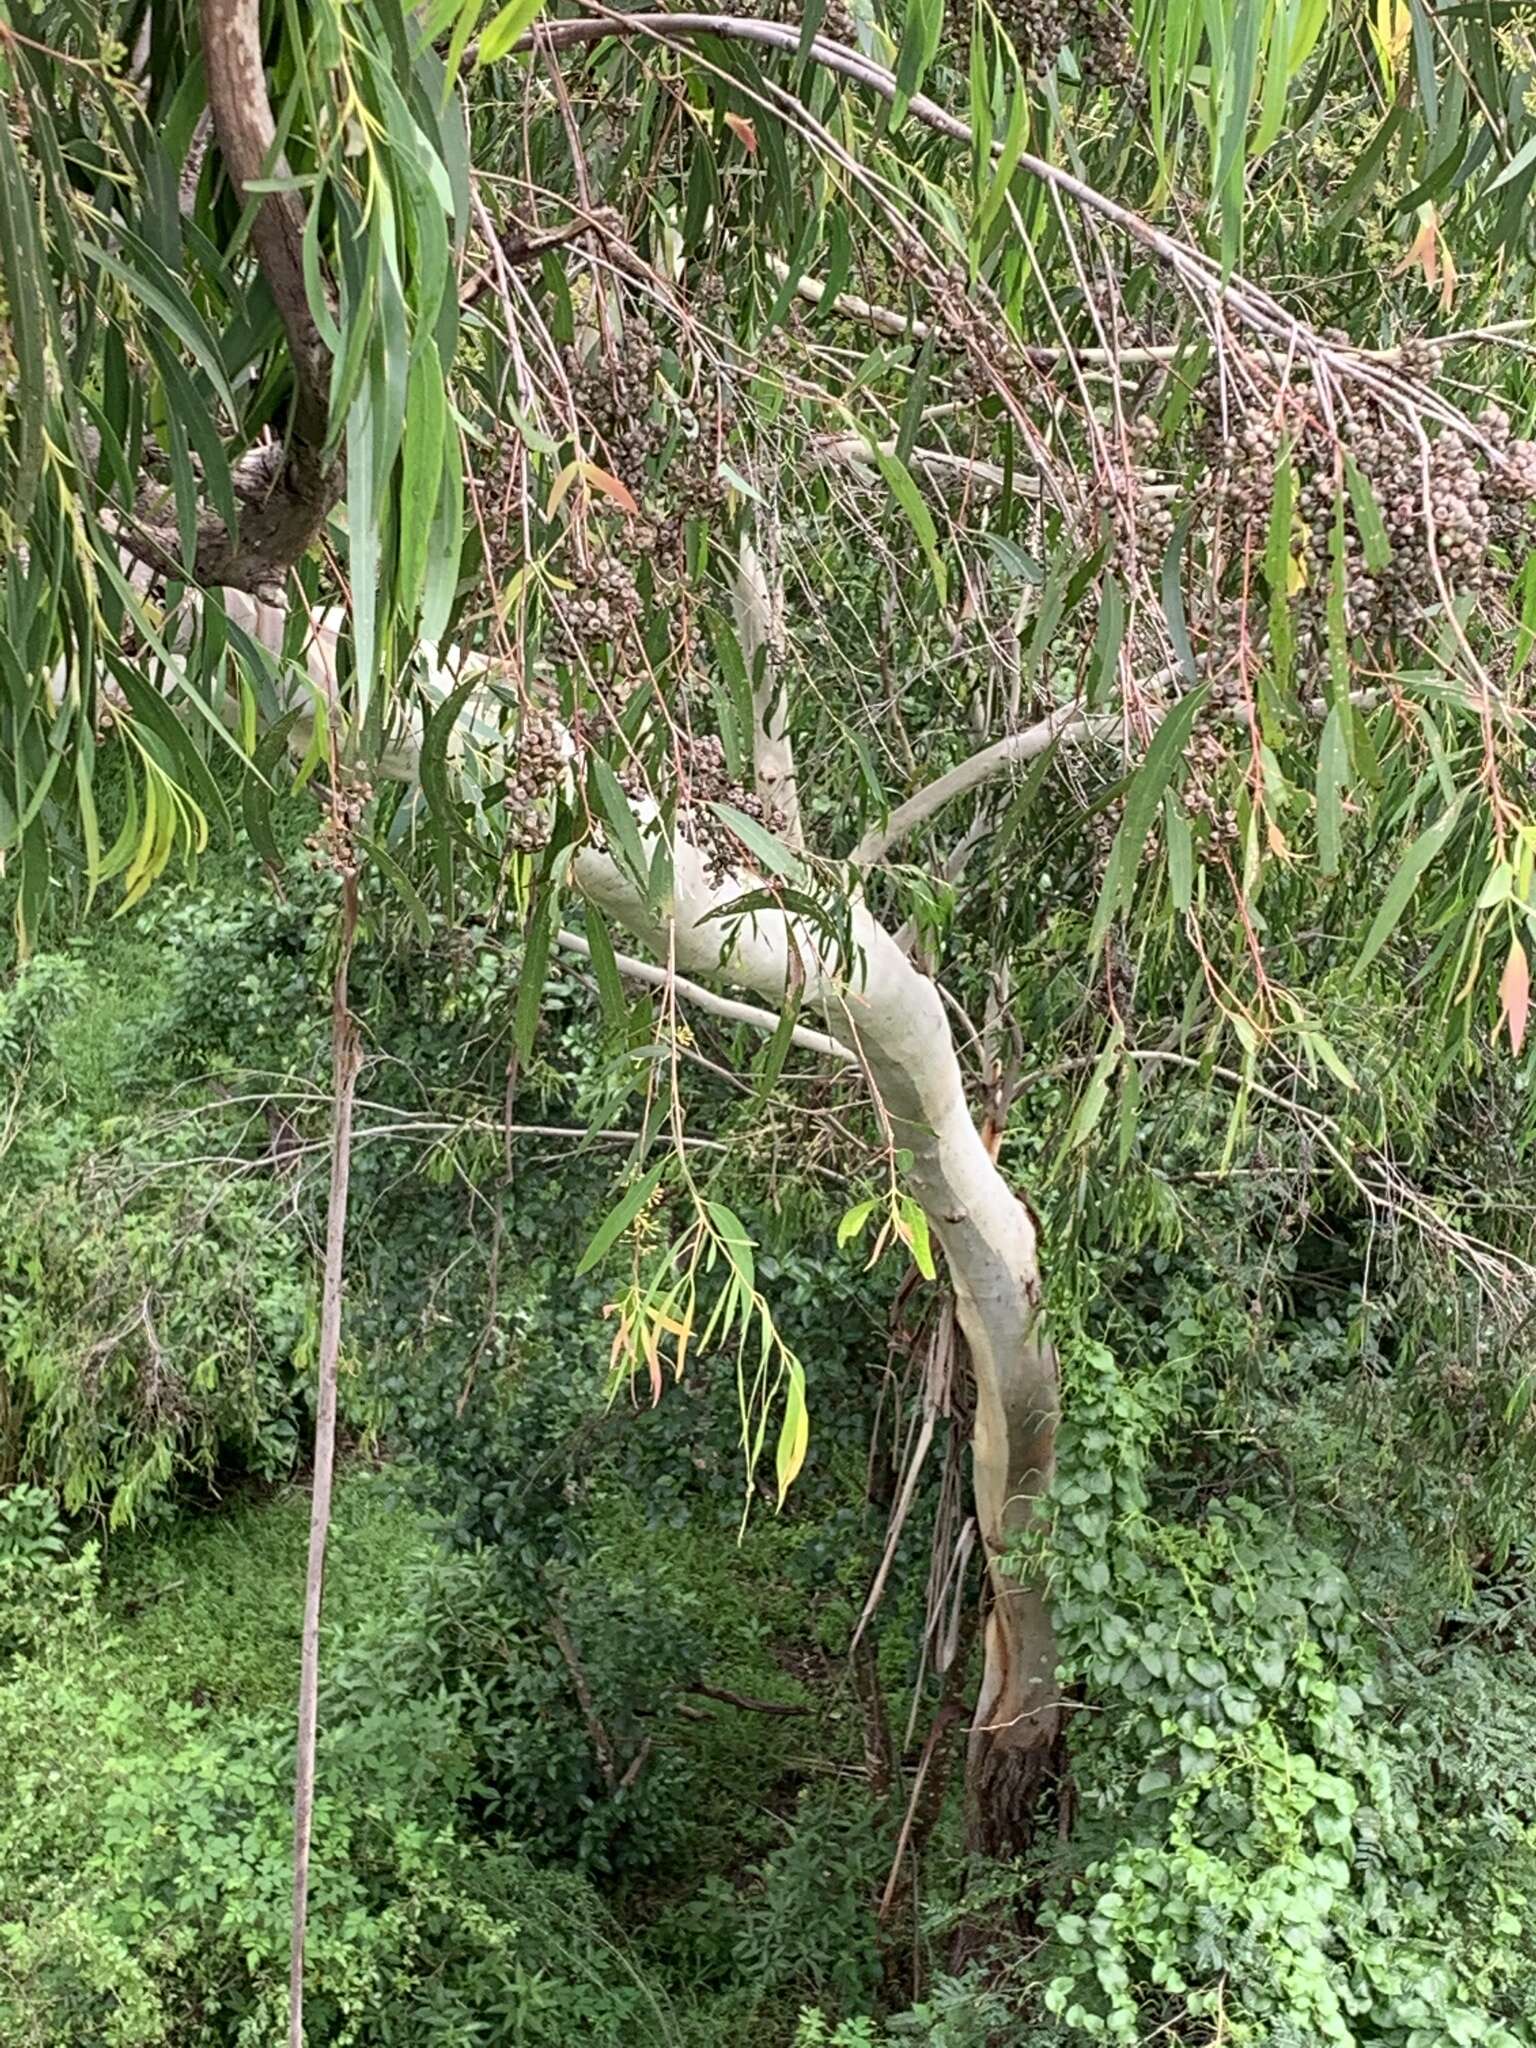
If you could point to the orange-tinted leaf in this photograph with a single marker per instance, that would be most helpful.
(1515, 994)
(1423, 250)
(600, 480)
(560, 487)
(743, 131)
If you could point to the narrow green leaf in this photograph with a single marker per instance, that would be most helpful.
(530, 980)
(772, 1063)
(1373, 534)
(735, 1241)
(164, 297)
(421, 473)
(1172, 593)
(1181, 854)
(432, 761)
(619, 1218)
(919, 45)
(605, 971)
(1418, 857)
(445, 545)
(899, 479)
(504, 29)
(1108, 639)
(1096, 1094)
(918, 1240)
(1008, 155)
(256, 788)
(1332, 775)
(794, 1430)
(1141, 801)
(1525, 638)
(1522, 160)
(772, 852)
(613, 807)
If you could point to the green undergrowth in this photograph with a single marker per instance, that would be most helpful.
(205, 1609)
(147, 1730)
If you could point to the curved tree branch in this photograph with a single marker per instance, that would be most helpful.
(707, 999)
(1070, 722)
(285, 493)
(894, 1015)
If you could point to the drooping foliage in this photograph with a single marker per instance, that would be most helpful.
(1100, 446)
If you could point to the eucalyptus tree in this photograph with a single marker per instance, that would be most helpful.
(742, 482)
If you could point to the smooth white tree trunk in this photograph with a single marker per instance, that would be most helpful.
(892, 1017)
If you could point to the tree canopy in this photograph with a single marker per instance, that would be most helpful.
(989, 553)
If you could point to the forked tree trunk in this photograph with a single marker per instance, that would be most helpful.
(892, 1015)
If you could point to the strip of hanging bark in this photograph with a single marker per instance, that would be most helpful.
(879, 1752)
(345, 1059)
(935, 1396)
(948, 1716)
(935, 1765)
(286, 493)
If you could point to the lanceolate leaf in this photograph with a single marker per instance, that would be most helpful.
(919, 44)
(794, 1429)
(613, 808)
(21, 273)
(772, 852)
(1173, 596)
(421, 477)
(605, 971)
(910, 499)
(1332, 775)
(441, 729)
(503, 30)
(1141, 801)
(1418, 857)
(1515, 994)
(619, 1218)
(530, 975)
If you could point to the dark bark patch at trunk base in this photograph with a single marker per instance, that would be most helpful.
(1018, 1793)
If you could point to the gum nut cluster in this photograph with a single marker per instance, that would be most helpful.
(1154, 515)
(535, 767)
(1441, 508)
(1208, 758)
(707, 780)
(335, 844)
(837, 20)
(1041, 29)
(613, 387)
(605, 601)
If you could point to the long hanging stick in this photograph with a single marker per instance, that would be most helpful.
(345, 1059)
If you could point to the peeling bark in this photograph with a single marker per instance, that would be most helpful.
(758, 599)
(893, 1017)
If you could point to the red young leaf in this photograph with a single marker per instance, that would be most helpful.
(1515, 994)
(744, 132)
